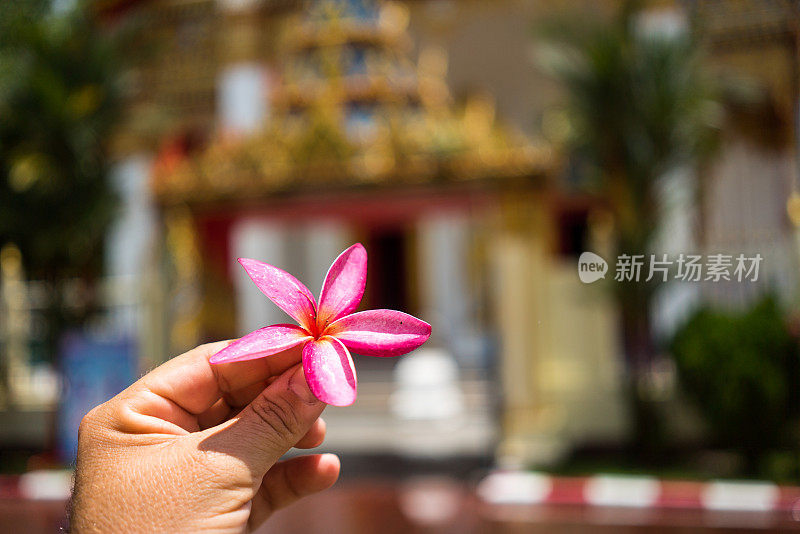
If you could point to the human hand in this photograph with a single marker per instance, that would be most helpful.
(194, 447)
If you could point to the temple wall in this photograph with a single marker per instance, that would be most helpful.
(560, 363)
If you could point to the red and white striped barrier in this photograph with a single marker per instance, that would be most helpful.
(520, 487)
(42, 485)
(529, 488)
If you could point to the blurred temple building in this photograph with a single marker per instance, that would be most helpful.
(754, 48)
(737, 203)
(285, 131)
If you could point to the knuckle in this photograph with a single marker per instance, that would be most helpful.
(222, 379)
(277, 415)
(88, 423)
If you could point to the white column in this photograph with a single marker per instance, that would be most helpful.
(324, 241)
(679, 220)
(129, 241)
(444, 256)
(262, 241)
(131, 233)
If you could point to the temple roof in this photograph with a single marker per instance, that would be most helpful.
(352, 109)
(727, 22)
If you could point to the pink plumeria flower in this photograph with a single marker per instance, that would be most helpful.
(327, 331)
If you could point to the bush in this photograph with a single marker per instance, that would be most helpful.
(742, 372)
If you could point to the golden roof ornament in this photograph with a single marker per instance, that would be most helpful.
(352, 108)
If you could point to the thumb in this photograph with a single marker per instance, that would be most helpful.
(273, 422)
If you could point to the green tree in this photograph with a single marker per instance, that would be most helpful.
(58, 101)
(639, 107)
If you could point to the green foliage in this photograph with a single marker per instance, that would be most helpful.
(639, 105)
(742, 372)
(58, 101)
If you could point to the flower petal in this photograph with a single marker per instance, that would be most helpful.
(262, 342)
(286, 291)
(380, 332)
(344, 285)
(329, 371)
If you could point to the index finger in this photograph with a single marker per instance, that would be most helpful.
(195, 385)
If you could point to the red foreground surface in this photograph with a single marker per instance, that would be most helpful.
(443, 506)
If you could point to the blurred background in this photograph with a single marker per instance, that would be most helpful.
(476, 149)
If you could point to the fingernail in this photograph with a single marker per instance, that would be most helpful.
(298, 385)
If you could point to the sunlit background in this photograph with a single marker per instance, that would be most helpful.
(476, 149)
